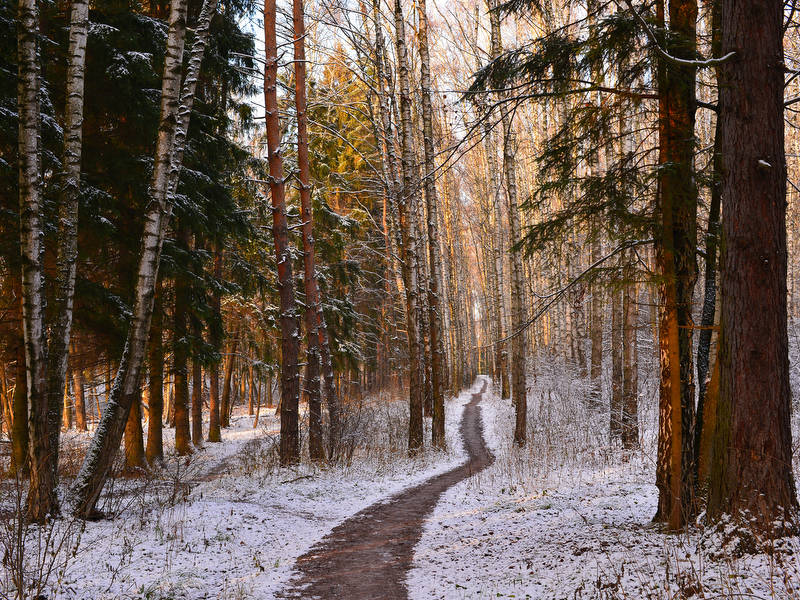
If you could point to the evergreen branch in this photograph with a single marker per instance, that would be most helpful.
(704, 62)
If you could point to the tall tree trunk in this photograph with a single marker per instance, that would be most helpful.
(155, 396)
(615, 423)
(19, 408)
(518, 297)
(134, 442)
(214, 434)
(197, 402)
(752, 468)
(438, 376)
(66, 419)
(408, 226)
(67, 253)
(173, 124)
(42, 498)
(180, 362)
(225, 404)
(630, 384)
(712, 235)
(596, 357)
(250, 391)
(677, 246)
(80, 399)
(290, 340)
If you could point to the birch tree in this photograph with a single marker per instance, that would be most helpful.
(42, 497)
(173, 127)
(407, 217)
(438, 360)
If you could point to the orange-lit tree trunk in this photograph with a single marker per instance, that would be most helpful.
(80, 399)
(289, 325)
(677, 246)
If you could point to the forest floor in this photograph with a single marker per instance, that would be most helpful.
(567, 517)
(226, 523)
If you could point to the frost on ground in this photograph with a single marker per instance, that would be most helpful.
(570, 518)
(229, 524)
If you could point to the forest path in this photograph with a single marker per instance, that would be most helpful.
(368, 555)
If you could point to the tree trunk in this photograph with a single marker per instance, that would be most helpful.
(250, 404)
(225, 405)
(134, 443)
(155, 396)
(66, 419)
(80, 399)
(42, 498)
(596, 358)
(677, 246)
(19, 408)
(438, 376)
(518, 297)
(173, 123)
(180, 353)
(752, 468)
(615, 423)
(408, 226)
(290, 341)
(67, 253)
(214, 434)
(712, 240)
(197, 402)
(630, 392)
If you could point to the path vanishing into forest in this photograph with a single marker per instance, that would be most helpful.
(368, 555)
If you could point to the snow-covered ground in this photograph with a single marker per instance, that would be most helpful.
(565, 518)
(226, 524)
(568, 518)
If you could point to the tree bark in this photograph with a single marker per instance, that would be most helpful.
(752, 469)
(155, 396)
(66, 419)
(596, 357)
(173, 121)
(615, 423)
(214, 434)
(42, 498)
(134, 442)
(289, 325)
(408, 226)
(630, 392)
(197, 402)
(80, 399)
(180, 353)
(67, 253)
(438, 375)
(225, 404)
(677, 247)
(19, 408)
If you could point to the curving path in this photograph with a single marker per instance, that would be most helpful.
(368, 555)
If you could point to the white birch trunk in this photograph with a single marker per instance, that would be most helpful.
(173, 125)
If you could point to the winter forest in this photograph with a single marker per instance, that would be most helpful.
(399, 299)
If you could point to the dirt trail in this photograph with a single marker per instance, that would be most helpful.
(367, 557)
